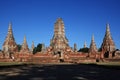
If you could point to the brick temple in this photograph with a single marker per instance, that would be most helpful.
(59, 49)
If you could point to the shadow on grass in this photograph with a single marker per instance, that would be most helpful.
(59, 72)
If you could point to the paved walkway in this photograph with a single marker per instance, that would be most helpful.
(59, 72)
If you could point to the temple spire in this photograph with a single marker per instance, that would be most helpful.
(59, 27)
(32, 47)
(85, 45)
(10, 32)
(24, 45)
(59, 42)
(9, 44)
(108, 44)
(108, 27)
(92, 38)
(75, 47)
(10, 26)
(93, 48)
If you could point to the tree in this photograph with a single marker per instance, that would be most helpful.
(34, 50)
(85, 50)
(38, 48)
(100, 49)
(117, 50)
(19, 47)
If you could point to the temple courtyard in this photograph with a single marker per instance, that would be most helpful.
(60, 71)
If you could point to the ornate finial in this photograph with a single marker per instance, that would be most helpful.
(10, 24)
(59, 20)
(93, 37)
(108, 27)
(25, 40)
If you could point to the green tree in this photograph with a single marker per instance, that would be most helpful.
(100, 49)
(34, 50)
(85, 50)
(38, 48)
(19, 47)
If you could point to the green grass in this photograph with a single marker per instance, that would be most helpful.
(96, 63)
(109, 63)
(12, 63)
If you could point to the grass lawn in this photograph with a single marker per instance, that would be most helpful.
(12, 63)
(107, 64)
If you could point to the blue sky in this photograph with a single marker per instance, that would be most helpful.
(82, 18)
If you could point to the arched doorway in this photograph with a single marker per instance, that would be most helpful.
(60, 53)
(106, 55)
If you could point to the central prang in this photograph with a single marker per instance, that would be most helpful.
(59, 42)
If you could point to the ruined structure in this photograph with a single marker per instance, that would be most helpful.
(43, 48)
(108, 45)
(9, 45)
(59, 49)
(75, 47)
(93, 48)
(24, 47)
(59, 42)
(32, 47)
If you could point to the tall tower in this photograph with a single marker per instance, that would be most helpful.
(9, 45)
(75, 47)
(24, 47)
(59, 42)
(32, 47)
(108, 44)
(85, 45)
(93, 48)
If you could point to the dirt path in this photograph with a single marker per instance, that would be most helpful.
(59, 72)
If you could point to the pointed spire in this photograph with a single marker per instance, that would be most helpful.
(108, 31)
(24, 45)
(9, 43)
(85, 45)
(32, 47)
(75, 47)
(92, 38)
(107, 27)
(93, 48)
(108, 44)
(10, 32)
(10, 26)
(59, 20)
(25, 42)
(43, 47)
